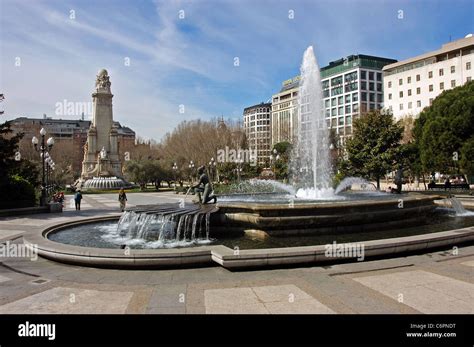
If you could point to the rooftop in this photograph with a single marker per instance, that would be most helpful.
(445, 48)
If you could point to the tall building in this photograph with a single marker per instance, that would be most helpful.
(351, 87)
(412, 84)
(257, 127)
(284, 119)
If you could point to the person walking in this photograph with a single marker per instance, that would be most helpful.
(122, 199)
(77, 200)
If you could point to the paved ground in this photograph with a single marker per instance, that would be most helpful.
(437, 282)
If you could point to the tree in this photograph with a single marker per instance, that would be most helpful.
(444, 131)
(373, 149)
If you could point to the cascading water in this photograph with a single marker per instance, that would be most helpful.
(162, 227)
(459, 208)
(310, 162)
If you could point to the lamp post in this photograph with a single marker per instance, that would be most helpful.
(42, 151)
(212, 167)
(191, 168)
(273, 159)
(239, 162)
(175, 170)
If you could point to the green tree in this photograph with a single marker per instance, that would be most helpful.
(445, 131)
(373, 149)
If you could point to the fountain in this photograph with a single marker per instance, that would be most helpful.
(309, 212)
(310, 163)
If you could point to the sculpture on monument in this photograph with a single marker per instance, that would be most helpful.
(102, 167)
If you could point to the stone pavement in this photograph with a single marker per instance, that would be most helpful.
(435, 282)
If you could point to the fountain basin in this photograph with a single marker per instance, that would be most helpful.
(225, 256)
(349, 215)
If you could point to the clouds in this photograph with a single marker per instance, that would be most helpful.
(182, 52)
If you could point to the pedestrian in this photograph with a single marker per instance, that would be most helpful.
(77, 199)
(122, 199)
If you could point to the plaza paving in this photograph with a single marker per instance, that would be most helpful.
(435, 282)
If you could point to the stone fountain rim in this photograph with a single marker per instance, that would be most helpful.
(222, 255)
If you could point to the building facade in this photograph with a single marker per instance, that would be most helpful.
(351, 86)
(284, 112)
(412, 84)
(257, 127)
(69, 135)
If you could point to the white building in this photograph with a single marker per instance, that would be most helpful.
(412, 84)
(284, 112)
(257, 126)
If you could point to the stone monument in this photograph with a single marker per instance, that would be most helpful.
(102, 167)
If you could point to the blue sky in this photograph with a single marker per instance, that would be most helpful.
(190, 61)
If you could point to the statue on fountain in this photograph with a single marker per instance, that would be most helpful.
(204, 186)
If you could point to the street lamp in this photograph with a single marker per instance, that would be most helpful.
(191, 167)
(42, 150)
(175, 169)
(212, 167)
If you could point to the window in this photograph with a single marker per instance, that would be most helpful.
(340, 121)
(390, 96)
(431, 101)
(379, 97)
(326, 103)
(355, 97)
(363, 75)
(400, 94)
(333, 102)
(363, 96)
(371, 75)
(379, 77)
(409, 92)
(468, 65)
(400, 107)
(418, 78)
(453, 69)
(409, 79)
(372, 106)
(333, 112)
(418, 90)
(430, 74)
(340, 110)
(400, 82)
(355, 107)
(390, 84)
(372, 97)
(348, 109)
(453, 83)
(379, 87)
(371, 85)
(409, 104)
(348, 98)
(430, 88)
(348, 120)
(441, 72)
(363, 85)
(441, 86)
(418, 103)
(340, 100)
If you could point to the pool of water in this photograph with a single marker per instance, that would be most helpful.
(105, 235)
